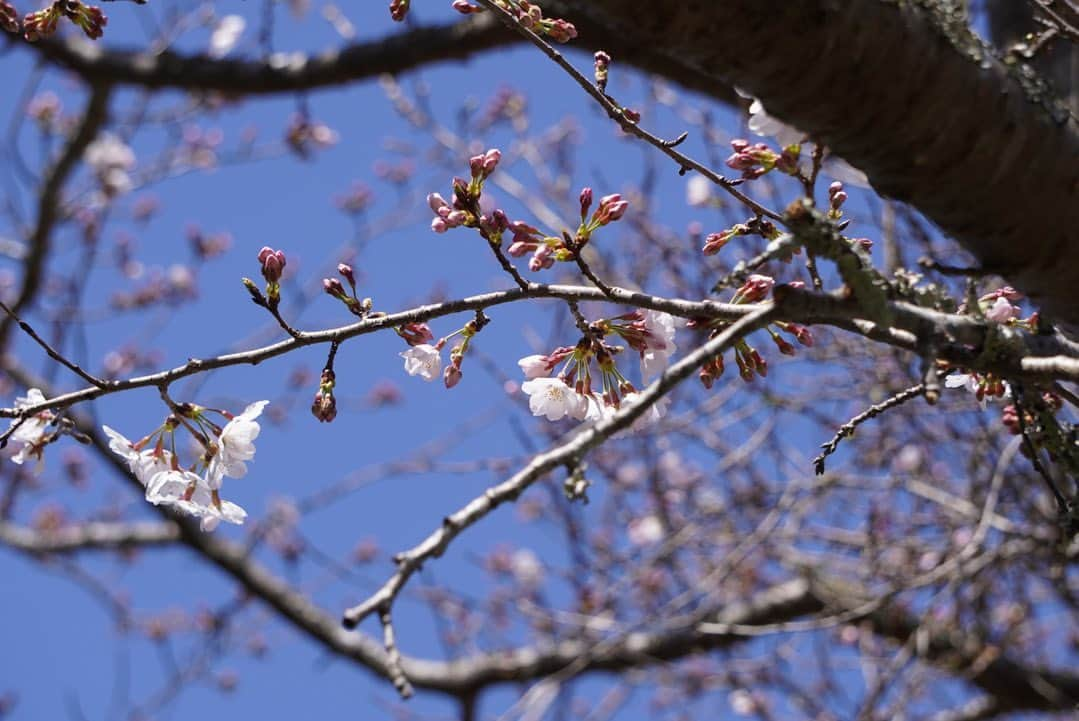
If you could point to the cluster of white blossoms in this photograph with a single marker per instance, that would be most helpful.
(31, 433)
(651, 333)
(169, 484)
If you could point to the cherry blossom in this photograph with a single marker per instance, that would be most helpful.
(1002, 311)
(645, 531)
(661, 329)
(534, 366)
(188, 492)
(144, 464)
(31, 431)
(111, 159)
(225, 36)
(551, 397)
(235, 445)
(423, 360)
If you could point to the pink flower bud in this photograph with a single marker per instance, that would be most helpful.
(518, 248)
(739, 144)
(273, 263)
(740, 161)
(562, 31)
(586, 199)
(755, 289)
(436, 201)
(475, 165)
(451, 376)
(333, 287)
(490, 161)
(324, 407)
(439, 225)
(540, 259)
(713, 242)
(346, 272)
(463, 7)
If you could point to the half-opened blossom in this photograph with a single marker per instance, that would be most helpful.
(534, 366)
(423, 360)
(235, 445)
(1002, 311)
(551, 397)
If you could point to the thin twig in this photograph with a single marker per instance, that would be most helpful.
(667, 147)
(873, 411)
(53, 353)
(436, 543)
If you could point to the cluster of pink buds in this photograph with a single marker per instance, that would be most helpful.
(446, 215)
(324, 406)
(9, 17)
(749, 361)
(42, 23)
(757, 159)
(836, 197)
(399, 9)
(530, 15)
(335, 289)
(464, 211)
(483, 165)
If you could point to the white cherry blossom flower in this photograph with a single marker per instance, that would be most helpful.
(189, 493)
(31, 431)
(527, 568)
(235, 446)
(424, 361)
(655, 358)
(645, 531)
(144, 464)
(551, 397)
(225, 36)
(111, 159)
(699, 191)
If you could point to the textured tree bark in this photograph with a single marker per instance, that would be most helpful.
(903, 91)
